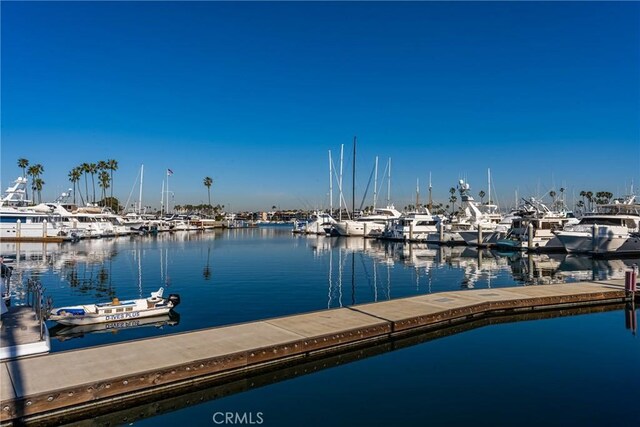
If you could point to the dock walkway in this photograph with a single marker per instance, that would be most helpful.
(73, 381)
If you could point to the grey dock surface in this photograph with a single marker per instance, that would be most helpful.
(80, 381)
(20, 334)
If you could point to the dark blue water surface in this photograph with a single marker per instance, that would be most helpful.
(569, 371)
(577, 370)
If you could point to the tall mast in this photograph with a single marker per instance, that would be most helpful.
(162, 200)
(430, 205)
(375, 186)
(330, 187)
(389, 185)
(353, 189)
(168, 204)
(341, 196)
(489, 180)
(140, 196)
(417, 193)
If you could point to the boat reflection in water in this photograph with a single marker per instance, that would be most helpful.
(562, 268)
(240, 275)
(64, 332)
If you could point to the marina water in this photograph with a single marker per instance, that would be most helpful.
(232, 276)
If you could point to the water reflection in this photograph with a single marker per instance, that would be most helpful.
(239, 275)
(65, 332)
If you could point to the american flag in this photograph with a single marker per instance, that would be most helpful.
(169, 172)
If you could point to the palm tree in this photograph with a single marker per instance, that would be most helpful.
(35, 171)
(207, 183)
(583, 194)
(92, 168)
(453, 198)
(589, 195)
(103, 182)
(481, 194)
(84, 168)
(74, 177)
(553, 196)
(22, 164)
(112, 165)
(38, 183)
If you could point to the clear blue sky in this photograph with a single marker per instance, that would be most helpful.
(255, 94)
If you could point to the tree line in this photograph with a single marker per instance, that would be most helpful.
(103, 168)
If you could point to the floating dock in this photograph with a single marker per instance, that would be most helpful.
(22, 334)
(71, 384)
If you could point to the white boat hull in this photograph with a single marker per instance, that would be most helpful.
(89, 319)
(359, 228)
(115, 311)
(607, 240)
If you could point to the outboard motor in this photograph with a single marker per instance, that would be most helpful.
(175, 299)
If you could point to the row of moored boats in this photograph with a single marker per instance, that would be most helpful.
(60, 220)
(612, 228)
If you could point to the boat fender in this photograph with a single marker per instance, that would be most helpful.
(174, 299)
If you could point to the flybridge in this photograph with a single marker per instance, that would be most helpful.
(16, 195)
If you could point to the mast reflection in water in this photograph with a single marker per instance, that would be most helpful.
(239, 275)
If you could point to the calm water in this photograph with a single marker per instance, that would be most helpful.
(577, 370)
(232, 276)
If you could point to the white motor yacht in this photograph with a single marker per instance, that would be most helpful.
(534, 228)
(320, 223)
(19, 222)
(412, 227)
(612, 228)
(368, 225)
(464, 227)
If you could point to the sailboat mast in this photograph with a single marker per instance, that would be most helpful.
(353, 189)
(489, 181)
(168, 205)
(162, 200)
(417, 193)
(389, 185)
(430, 200)
(375, 186)
(330, 187)
(341, 195)
(140, 196)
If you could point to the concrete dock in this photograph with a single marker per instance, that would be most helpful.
(62, 385)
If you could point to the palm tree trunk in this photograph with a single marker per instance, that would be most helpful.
(93, 182)
(80, 193)
(86, 187)
(111, 201)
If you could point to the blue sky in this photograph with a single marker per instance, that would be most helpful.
(255, 94)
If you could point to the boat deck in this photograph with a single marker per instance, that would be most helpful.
(120, 374)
